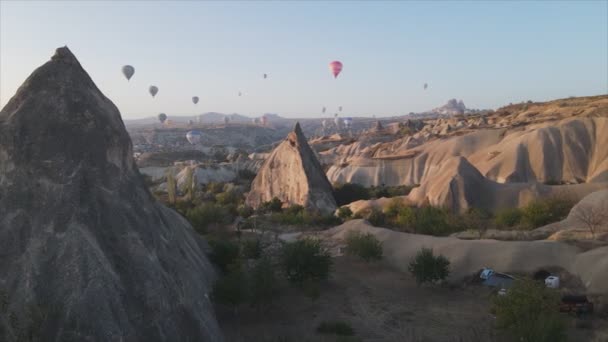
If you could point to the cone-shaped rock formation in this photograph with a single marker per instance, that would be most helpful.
(293, 174)
(86, 253)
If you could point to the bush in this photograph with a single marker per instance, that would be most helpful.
(426, 267)
(376, 218)
(244, 211)
(509, 217)
(335, 328)
(304, 260)
(529, 312)
(231, 290)
(406, 218)
(345, 213)
(350, 192)
(544, 211)
(432, 221)
(273, 205)
(252, 249)
(207, 214)
(224, 253)
(215, 188)
(366, 246)
(263, 283)
(228, 197)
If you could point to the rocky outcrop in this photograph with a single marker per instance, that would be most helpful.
(86, 253)
(293, 174)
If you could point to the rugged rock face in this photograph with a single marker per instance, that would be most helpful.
(293, 174)
(86, 254)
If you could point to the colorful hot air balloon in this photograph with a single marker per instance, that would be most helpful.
(162, 117)
(194, 137)
(335, 68)
(426, 86)
(153, 90)
(195, 99)
(265, 76)
(348, 122)
(128, 71)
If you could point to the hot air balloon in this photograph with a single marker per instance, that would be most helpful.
(265, 76)
(194, 137)
(340, 108)
(153, 90)
(348, 122)
(335, 68)
(128, 71)
(323, 110)
(195, 99)
(426, 86)
(162, 117)
(240, 93)
(335, 115)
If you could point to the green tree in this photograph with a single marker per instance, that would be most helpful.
(529, 312)
(426, 267)
(224, 253)
(231, 290)
(263, 283)
(171, 186)
(305, 260)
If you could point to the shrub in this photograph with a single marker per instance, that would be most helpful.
(345, 213)
(305, 260)
(215, 188)
(263, 283)
(228, 197)
(231, 290)
(426, 267)
(252, 248)
(406, 218)
(366, 246)
(244, 211)
(350, 192)
(530, 312)
(224, 253)
(273, 205)
(203, 216)
(509, 217)
(335, 328)
(294, 209)
(376, 217)
(544, 211)
(432, 221)
(394, 207)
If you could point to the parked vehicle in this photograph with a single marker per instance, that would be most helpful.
(577, 304)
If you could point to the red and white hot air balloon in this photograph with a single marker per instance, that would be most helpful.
(335, 68)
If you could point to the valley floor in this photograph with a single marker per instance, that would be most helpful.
(381, 304)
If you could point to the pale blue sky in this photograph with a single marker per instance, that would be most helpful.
(486, 53)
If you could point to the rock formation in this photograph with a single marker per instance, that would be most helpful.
(86, 253)
(293, 174)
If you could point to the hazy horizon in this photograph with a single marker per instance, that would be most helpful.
(487, 54)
